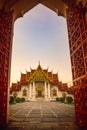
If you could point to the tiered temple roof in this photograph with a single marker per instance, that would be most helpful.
(25, 79)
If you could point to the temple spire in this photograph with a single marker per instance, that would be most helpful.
(39, 62)
(26, 70)
(47, 67)
(30, 68)
(20, 72)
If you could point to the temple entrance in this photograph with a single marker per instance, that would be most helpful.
(39, 93)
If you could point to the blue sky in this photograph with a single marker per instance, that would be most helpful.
(41, 35)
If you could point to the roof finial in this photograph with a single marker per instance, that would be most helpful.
(52, 70)
(30, 68)
(16, 80)
(20, 72)
(26, 70)
(39, 62)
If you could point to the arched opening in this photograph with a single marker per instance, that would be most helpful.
(45, 47)
(44, 40)
(37, 38)
(39, 91)
(77, 50)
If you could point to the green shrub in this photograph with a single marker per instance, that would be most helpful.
(22, 99)
(69, 99)
(18, 99)
(57, 99)
(11, 101)
(62, 99)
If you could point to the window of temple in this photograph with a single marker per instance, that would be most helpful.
(24, 92)
(64, 94)
(54, 92)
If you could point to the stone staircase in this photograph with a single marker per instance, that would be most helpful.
(39, 99)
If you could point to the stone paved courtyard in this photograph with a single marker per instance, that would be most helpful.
(41, 115)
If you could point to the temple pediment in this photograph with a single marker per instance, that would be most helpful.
(39, 75)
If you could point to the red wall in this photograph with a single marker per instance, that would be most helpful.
(5, 42)
(77, 30)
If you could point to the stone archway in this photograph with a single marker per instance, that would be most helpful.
(39, 91)
(76, 16)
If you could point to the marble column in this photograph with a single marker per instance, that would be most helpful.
(49, 91)
(34, 91)
(45, 91)
(30, 90)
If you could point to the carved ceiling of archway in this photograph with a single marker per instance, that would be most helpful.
(20, 7)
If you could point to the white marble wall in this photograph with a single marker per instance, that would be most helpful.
(47, 89)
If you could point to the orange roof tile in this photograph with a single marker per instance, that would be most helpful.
(70, 90)
(28, 75)
(45, 71)
(50, 75)
(55, 79)
(15, 87)
(32, 71)
(23, 77)
(63, 86)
